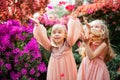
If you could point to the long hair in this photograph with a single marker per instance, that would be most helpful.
(105, 37)
(110, 53)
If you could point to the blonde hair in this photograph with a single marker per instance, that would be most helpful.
(110, 53)
(59, 26)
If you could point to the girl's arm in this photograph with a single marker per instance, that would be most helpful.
(40, 34)
(74, 30)
(88, 28)
(92, 54)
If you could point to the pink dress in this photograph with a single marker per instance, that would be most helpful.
(61, 65)
(94, 69)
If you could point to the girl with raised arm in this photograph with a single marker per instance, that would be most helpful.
(96, 52)
(61, 65)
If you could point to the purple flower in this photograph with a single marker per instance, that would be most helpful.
(24, 71)
(90, 11)
(32, 71)
(36, 55)
(31, 79)
(16, 59)
(2, 48)
(50, 6)
(38, 74)
(17, 41)
(8, 54)
(26, 65)
(41, 67)
(16, 51)
(0, 72)
(29, 29)
(14, 22)
(14, 31)
(8, 66)
(6, 41)
(4, 29)
(14, 75)
(30, 48)
(1, 62)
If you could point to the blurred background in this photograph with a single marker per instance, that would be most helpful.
(22, 58)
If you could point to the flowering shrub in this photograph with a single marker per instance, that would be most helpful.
(20, 57)
(103, 7)
(59, 10)
(18, 9)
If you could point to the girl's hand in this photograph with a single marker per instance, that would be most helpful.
(36, 21)
(88, 28)
(86, 22)
(87, 40)
(74, 14)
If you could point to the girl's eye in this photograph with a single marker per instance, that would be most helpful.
(91, 26)
(59, 32)
(97, 26)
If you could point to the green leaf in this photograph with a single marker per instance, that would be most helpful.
(24, 78)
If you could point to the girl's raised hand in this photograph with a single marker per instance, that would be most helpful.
(88, 29)
(86, 22)
(74, 14)
(36, 21)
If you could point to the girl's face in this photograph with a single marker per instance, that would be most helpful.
(97, 30)
(58, 34)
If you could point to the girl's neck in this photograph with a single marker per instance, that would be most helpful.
(59, 44)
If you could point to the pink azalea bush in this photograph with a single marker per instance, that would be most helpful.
(20, 56)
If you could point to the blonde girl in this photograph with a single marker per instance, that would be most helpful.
(96, 52)
(61, 65)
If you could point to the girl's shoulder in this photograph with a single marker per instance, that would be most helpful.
(67, 44)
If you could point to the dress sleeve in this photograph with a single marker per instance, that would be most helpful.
(40, 34)
(74, 31)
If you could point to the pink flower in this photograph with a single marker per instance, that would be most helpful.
(24, 71)
(113, 22)
(62, 3)
(90, 11)
(32, 71)
(70, 7)
(8, 66)
(78, 44)
(0, 72)
(50, 6)
(26, 65)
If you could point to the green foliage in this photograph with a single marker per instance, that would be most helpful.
(114, 64)
(114, 75)
(24, 78)
(113, 67)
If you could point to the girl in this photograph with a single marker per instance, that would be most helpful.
(61, 65)
(97, 52)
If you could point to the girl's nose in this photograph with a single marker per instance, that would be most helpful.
(56, 34)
